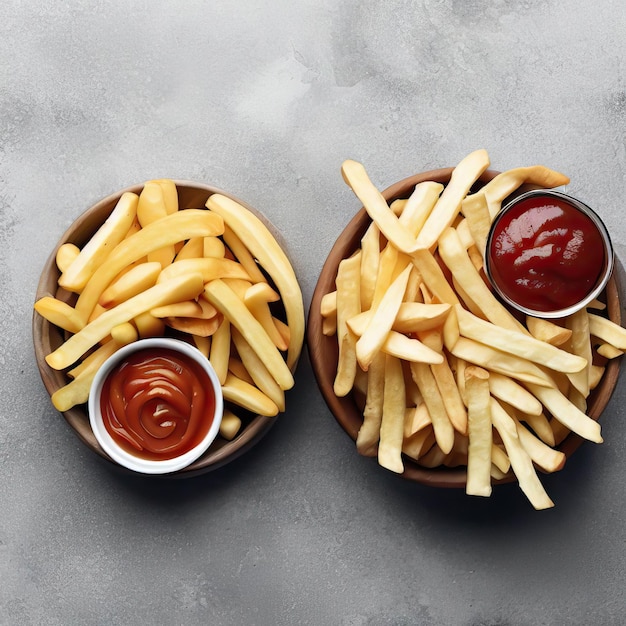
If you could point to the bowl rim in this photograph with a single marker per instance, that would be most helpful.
(76, 417)
(322, 349)
(609, 254)
(112, 448)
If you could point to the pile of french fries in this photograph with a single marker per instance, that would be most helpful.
(445, 374)
(213, 275)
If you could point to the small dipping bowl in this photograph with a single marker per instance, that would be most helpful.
(199, 432)
(548, 254)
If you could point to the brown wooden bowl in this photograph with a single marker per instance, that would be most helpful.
(47, 337)
(323, 349)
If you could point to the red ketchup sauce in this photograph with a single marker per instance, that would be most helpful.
(157, 404)
(546, 254)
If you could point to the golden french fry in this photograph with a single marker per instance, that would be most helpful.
(476, 212)
(608, 351)
(419, 443)
(261, 243)
(97, 249)
(348, 305)
(247, 396)
(413, 317)
(372, 340)
(547, 331)
(257, 371)
(508, 390)
(356, 178)
(124, 333)
(65, 255)
(59, 313)
(444, 431)
(521, 461)
(419, 206)
(194, 325)
(257, 298)
(185, 308)
(607, 331)
(214, 247)
(433, 276)
(151, 208)
(370, 259)
(520, 344)
(479, 432)
(392, 422)
(464, 175)
(192, 249)
(566, 412)
(543, 455)
(412, 350)
(171, 229)
(148, 325)
(230, 425)
(500, 362)
(165, 293)
(203, 344)
(222, 297)
(446, 383)
(130, 283)
(456, 259)
(220, 350)
(504, 184)
(242, 254)
(369, 432)
(210, 268)
(580, 344)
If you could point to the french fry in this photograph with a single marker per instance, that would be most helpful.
(348, 305)
(370, 259)
(476, 212)
(96, 250)
(369, 432)
(233, 308)
(220, 350)
(65, 255)
(230, 425)
(151, 208)
(130, 283)
(379, 326)
(447, 208)
(165, 293)
(547, 331)
(257, 238)
(607, 331)
(211, 268)
(521, 461)
(257, 298)
(392, 422)
(479, 432)
(171, 229)
(247, 396)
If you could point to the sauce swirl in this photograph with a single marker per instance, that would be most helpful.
(157, 404)
(546, 254)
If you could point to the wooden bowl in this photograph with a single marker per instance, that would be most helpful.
(47, 337)
(323, 349)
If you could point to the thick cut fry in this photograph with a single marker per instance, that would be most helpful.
(130, 283)
(214, 247)
(65, 256)
(96, 250)
(77, 391)
(257, 238)
(370, 258)
(476, 212)
(456, 259)
(257, 371)
(521, 461)
(517, 343)
(419, 443)
(500, 362)
(247, 396)
(171, 229)
(413, 317)
(580, 344)
(220, 350)
(193, 249)
(348, 305)
(242, 254)
(412, 350)
(230, 425)
(151, 208)
(170, 194)
(369, 433)
(392, 423)
(419, 206)
(257, 299)
(425, 381)
(222, 297)
(373, 338)
(195, 325)
(544, 456)
(547, 331)
(210, 268)
(356, 178)
(148, 325)
(508, 390)
(185, 308)
(59, 313)
(450, 395)
(607, 331)
(479, 432)
(504, 184)
(465, 174)
(78, 344)
(567, 413)
(433, 276)
(124, 333)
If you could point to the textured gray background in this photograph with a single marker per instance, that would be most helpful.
(266, 99)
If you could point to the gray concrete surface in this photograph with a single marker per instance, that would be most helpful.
(266, 99)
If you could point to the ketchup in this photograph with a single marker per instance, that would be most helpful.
(157, 404)
(545, 253)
